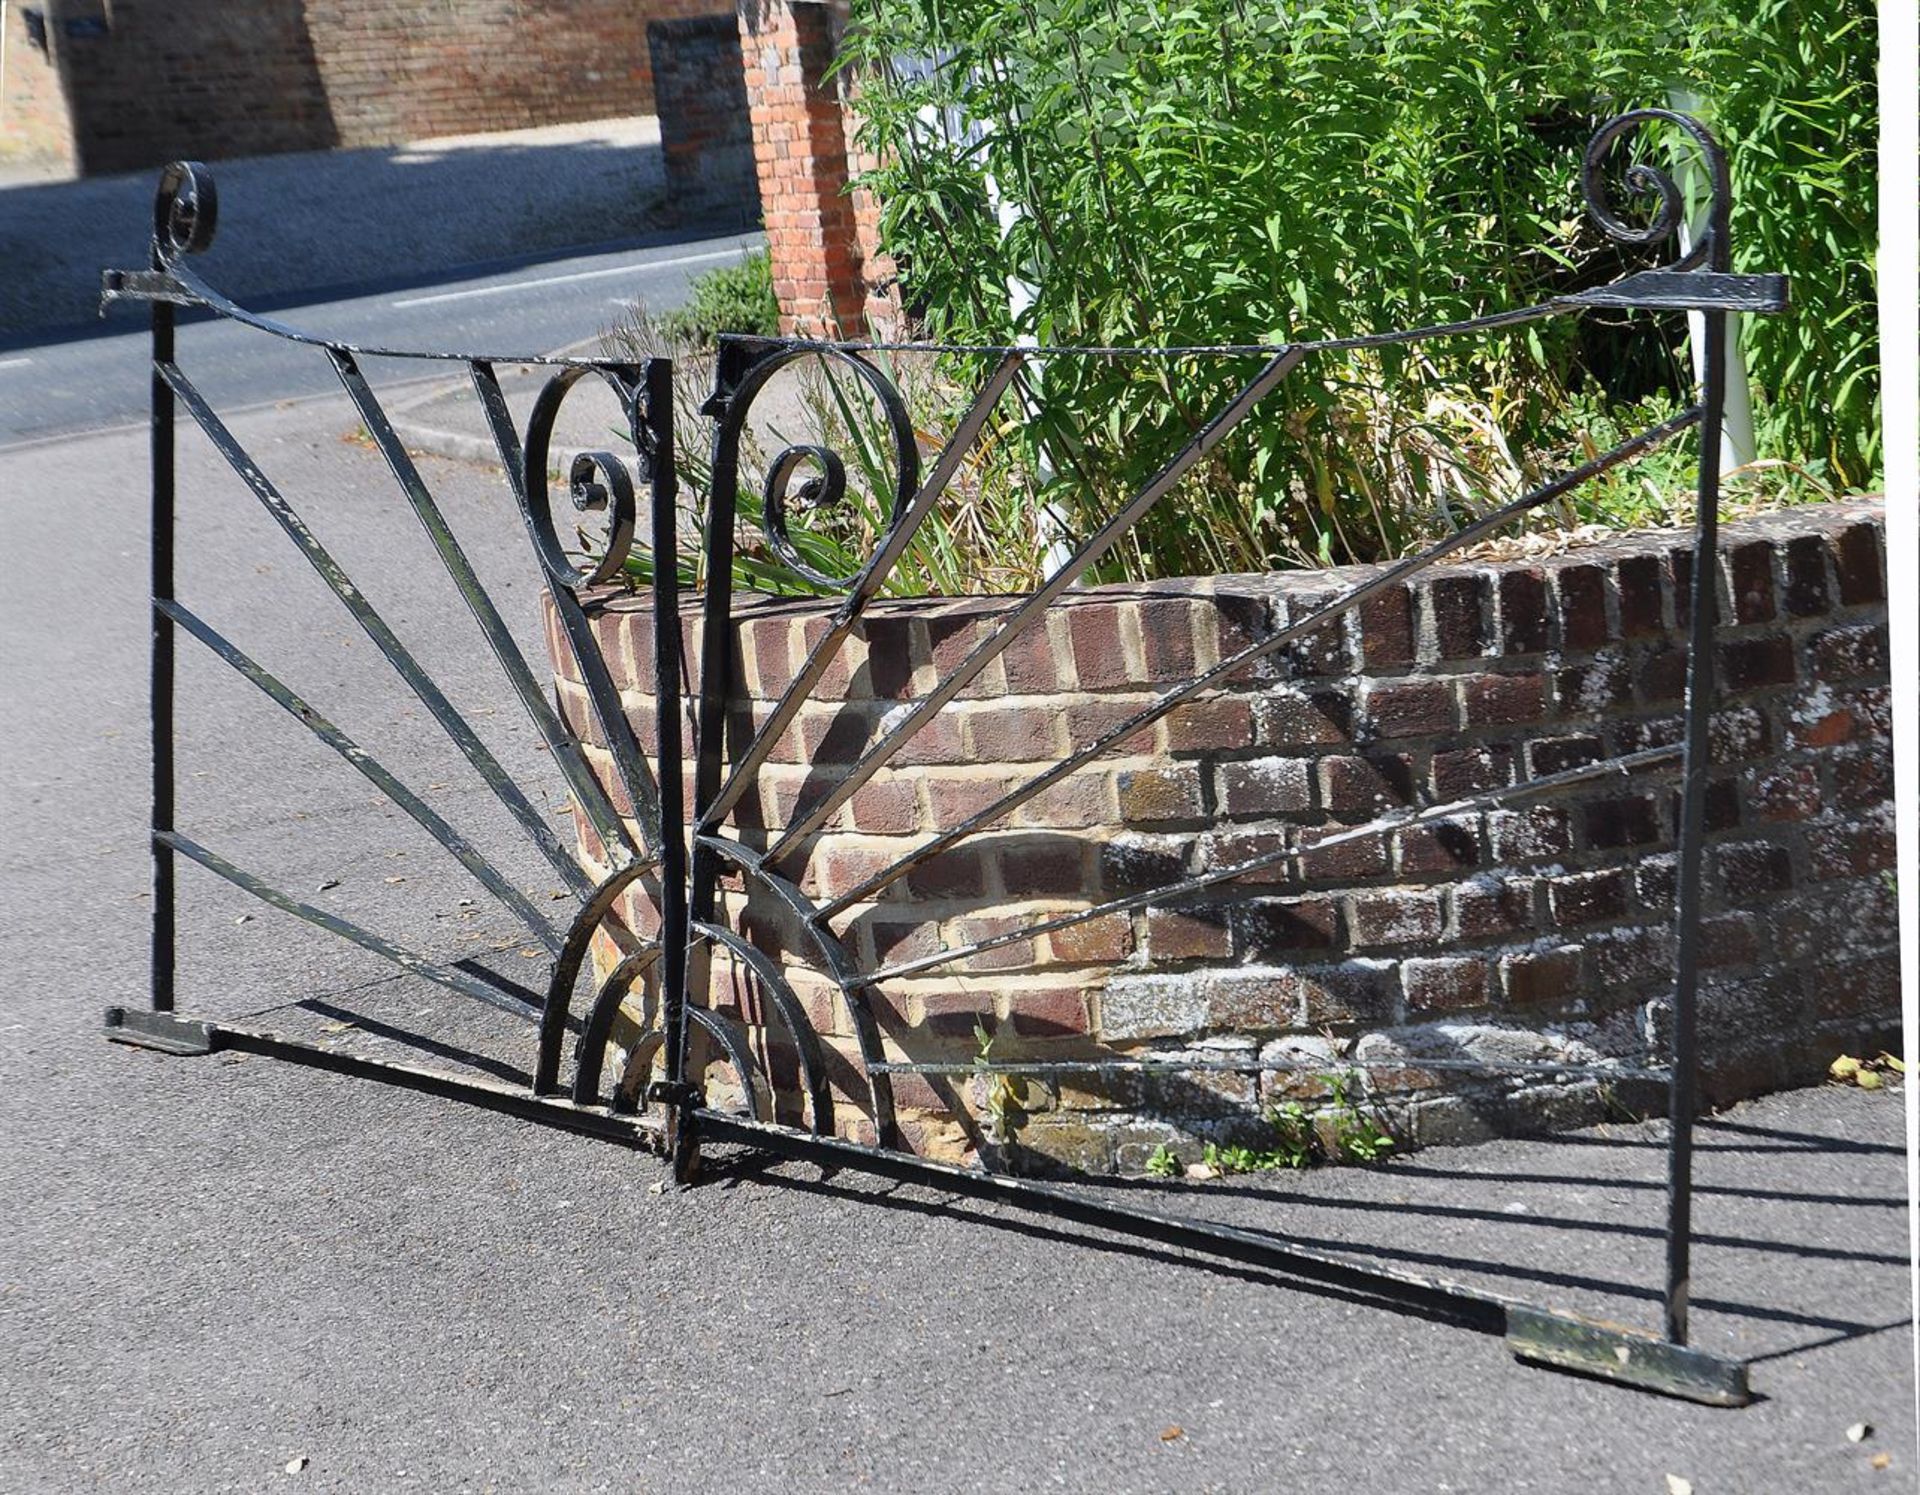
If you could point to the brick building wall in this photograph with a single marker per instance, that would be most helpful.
(1536, 933)
(35, 124)
(706, 136)
(152, 80)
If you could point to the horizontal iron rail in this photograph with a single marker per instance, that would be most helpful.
(1549, 1337)
(1653, 290)
(1650, 290)
(1556, 1338)
(182, 287)
(1182, 1064)
(190, 1036)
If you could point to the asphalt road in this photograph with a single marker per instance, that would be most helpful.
(236, 1275)
(82, 383)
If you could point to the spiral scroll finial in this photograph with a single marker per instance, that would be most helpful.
(828, 487)
(597, 482)
(186, 210)
(1710, 250)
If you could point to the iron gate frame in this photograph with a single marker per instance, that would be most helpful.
(682, 859)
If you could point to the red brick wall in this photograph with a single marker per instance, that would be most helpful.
(829, 273)
(1539, 932)
(204, 78)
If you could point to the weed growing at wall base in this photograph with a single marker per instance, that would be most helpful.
(1340, 1131)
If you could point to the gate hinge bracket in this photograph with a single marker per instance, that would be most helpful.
(1691, 290)
(143, 285)
(676, 1094)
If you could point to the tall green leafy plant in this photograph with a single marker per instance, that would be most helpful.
(1192, 172)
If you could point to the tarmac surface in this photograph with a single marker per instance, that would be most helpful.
(227, 1274)
(295, 225)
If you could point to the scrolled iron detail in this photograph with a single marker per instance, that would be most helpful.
(597, 482)
(829, 487)
(1710, 250)
(823, 492)
(186, 211)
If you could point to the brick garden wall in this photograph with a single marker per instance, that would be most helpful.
(151, 80)
(1532, 933)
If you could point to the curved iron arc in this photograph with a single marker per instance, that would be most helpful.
(742, 372)
(186, 212)
(1712, 250)
(840, 967)
(733, 1044)
(566, 970)
(589, 1050)
(793, 1015)
(630, 1089)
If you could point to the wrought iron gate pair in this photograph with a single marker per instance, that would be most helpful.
(684, 856)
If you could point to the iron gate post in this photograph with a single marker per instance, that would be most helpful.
(669, 758)
(1704, 590)
(710, 733)
(160, 655)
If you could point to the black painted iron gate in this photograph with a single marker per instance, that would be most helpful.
(681, 844)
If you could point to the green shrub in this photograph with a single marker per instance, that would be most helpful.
(734, 298)
(1208, 171)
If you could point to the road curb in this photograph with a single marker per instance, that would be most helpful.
(450, 445)
(456, 446)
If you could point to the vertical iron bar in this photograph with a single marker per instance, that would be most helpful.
(664, 497)
(1682, 1087)
(160, 662)
(716, 685)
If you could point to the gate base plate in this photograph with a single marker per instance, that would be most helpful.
(159, 1030)
(1615, 1354)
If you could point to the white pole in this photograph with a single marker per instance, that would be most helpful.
(1737, 447)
